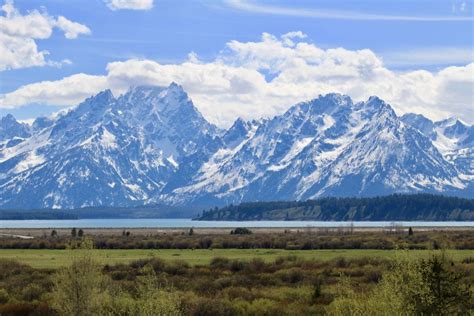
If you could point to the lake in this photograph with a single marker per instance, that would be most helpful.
(187, 223)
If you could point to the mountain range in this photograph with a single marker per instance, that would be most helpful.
(151, 145)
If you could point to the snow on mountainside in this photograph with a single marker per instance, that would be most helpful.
(453, 138)
(328, 146)
(151, 145)
(108, 151)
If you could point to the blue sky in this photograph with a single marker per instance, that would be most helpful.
(407, 36)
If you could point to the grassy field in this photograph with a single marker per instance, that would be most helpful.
(57, 258)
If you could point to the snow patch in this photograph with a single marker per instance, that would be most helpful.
(30, 161)
(108, 139)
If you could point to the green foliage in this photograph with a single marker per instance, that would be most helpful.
(446, 292)
(412, 287)
(78, 288)
(288, 285)
(82, 289)
(261, 281)
(4, 297)
(32, 292)
(152, 298)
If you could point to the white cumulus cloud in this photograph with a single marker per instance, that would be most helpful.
(71, 29)
(19, 33)
(265, 77)
(129, 4)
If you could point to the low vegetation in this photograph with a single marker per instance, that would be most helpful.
(410, 276)
(289, 285)
(395, 237)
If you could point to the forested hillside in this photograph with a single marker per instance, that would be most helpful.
(396, 207)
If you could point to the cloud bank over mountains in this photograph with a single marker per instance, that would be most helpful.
(265, 77)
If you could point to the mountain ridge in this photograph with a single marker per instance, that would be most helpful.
(152, 145)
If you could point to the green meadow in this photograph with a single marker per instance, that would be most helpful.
(54, 258)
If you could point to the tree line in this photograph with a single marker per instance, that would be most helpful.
(396, 207)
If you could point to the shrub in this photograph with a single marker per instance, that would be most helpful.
(78, 287)
(4, 297)
(219, 262)
(32, 292)
(418, 287)
(241, 231)
(237, 265)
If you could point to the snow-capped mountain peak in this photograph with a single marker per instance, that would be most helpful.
(10, 127)
(152, 145)
(325, 146)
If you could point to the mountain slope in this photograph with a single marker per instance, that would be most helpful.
(453, 138)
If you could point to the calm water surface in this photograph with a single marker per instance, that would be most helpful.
(186, 223)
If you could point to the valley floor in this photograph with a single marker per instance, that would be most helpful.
(55, 258)
(257, 272)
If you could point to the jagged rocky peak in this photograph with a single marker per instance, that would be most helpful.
(7, 119)
(93, 104)
(340, 99)
(146, 99)
(240, 126)
(376, 104)
(453, 126)
(450, 121)
(104, 97)
(142, 92)
(177, 97)
(419, 122)
(238, 131)
(327, 103)
(10, 127)
(41, 123)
